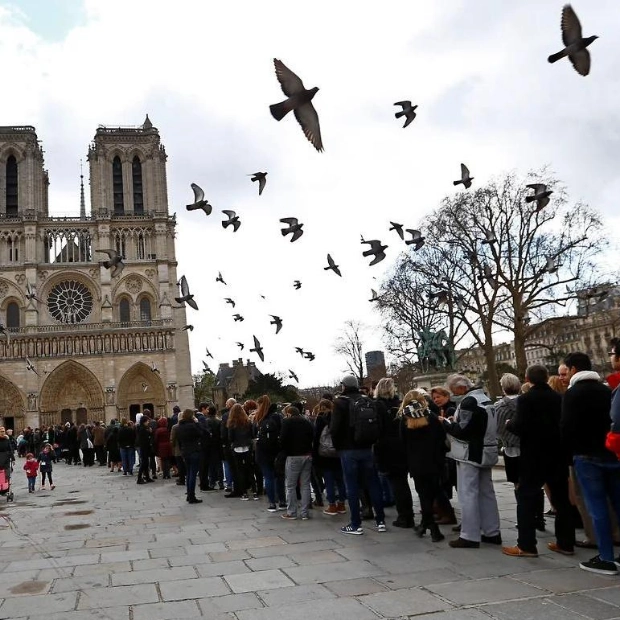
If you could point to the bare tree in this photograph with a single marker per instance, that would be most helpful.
(349, 345)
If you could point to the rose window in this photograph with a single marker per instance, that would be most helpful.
(70, 302)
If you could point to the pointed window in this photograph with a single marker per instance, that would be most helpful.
(124, 310)
(12, 315)
(145, 309)
(117, 186)
(138, 197)
(11, 185)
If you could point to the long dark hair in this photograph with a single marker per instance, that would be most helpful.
(237, 417)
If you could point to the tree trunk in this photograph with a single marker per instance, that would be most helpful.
(493, 379)
(520, 357)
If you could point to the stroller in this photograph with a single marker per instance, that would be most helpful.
(5, 481)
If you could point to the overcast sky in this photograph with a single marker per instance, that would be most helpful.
(204, 73)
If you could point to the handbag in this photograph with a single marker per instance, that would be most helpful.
(459, 449)
(89, 444)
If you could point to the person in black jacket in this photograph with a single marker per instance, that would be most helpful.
(389, 452)
(239, 429)
(230, 472)
(214, 429)
(127, 446)
(267, 428)
(189, 436)
(357, 460)
(584, 426)
(425, 445)
(541, 461)
(296, 443)
(143, 435)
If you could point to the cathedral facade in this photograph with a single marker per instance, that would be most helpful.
(83, 342)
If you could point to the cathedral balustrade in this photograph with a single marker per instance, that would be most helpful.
(124, 339)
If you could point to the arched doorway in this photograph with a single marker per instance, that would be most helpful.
(138, 389)
(71, 387)
(12, 405)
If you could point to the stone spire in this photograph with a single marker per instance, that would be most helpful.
(147, 123)
(82, 201)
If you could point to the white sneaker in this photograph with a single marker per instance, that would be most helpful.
(380, 527)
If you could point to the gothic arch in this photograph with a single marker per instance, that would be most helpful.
(70, 386)
(136, 150)
(68, 274)
(12, 401)
(11, 149)
(131, 389)
(136, 285)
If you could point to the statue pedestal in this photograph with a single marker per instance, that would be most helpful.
(431, 379)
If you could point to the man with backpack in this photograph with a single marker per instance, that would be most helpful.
(355, 427)
(473, 445)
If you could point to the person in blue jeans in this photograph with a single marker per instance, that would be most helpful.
(584, 426)
(190, 436)
(357, 460)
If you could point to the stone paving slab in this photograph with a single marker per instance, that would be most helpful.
(147, 555)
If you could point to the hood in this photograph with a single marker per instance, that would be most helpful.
(162, 423)
(273, 408)
(584, 375)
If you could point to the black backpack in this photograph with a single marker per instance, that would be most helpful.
(268, 434)
(364, 420)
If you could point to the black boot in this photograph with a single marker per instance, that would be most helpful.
(192, 499)
(140, 481)
(404, 522)
(436, 535)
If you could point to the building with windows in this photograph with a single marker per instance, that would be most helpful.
(375, 366)
(85, 343)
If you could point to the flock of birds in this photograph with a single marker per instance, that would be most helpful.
(299, 101)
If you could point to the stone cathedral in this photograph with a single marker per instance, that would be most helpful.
(79, 344)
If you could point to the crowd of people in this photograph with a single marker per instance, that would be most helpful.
(355, 453)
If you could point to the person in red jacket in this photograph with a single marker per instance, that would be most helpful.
(31, 467)
(163, 447)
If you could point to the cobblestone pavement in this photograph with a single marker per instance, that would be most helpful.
(100, 546)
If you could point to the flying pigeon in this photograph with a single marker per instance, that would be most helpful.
(261, 177)
(187, 327)
(205, 368)
(5, 331)
(199, 201)
(488, 274)
(186, 296)
(489, 237)
(297, 285)
(30, 366)
(407, 110)
(300, 100)
(145, 386)
(299, 350)
(233, 220)
(574, 44)
(376, 250)
(374, 297)
(465, 179)
(220, 279)
(293, 227)
(115, 262)
(552, 265)
(208, 354)
(241, 345)
(541, 195)
(416, 238)
(228, 300)
(332, 265)
(277, 321)
(460, 302)
(309, 356)
(258, 349)
(154, 368)
(238, 318)
(31, 293)
(292, 375)
(398, 228)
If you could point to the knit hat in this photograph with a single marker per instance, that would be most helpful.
(349, 381)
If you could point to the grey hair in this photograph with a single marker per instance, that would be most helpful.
(385, 388)
(457, 380)
(510, 384)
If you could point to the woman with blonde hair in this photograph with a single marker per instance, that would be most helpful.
(389, 452)
(240, 438)
(425, 447)
(556, 384)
